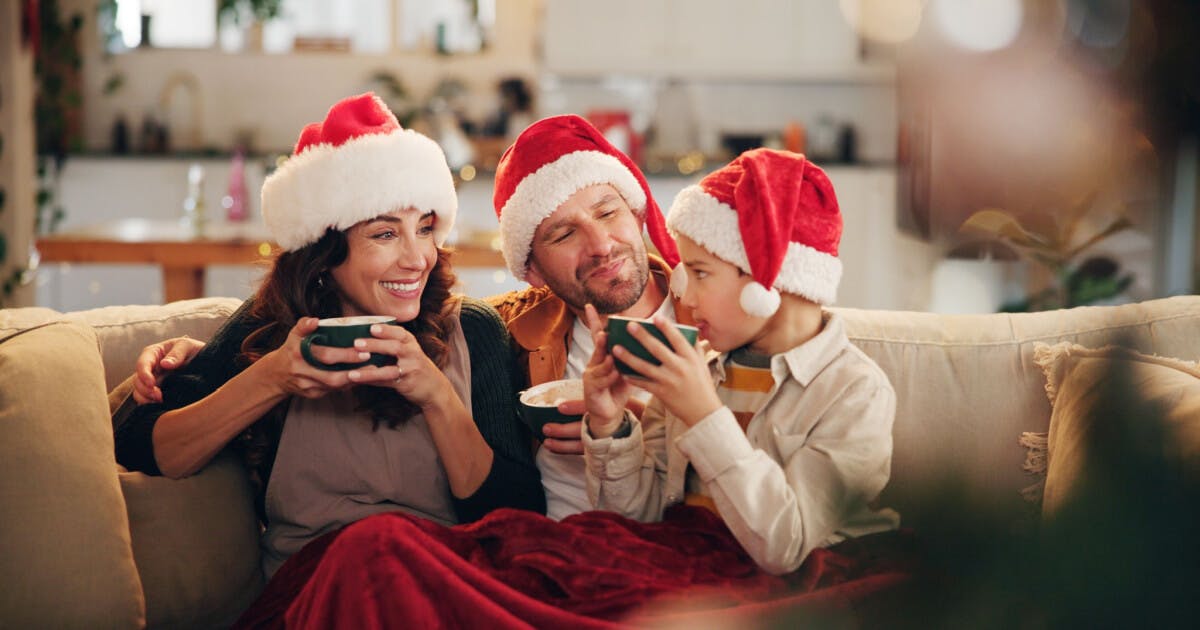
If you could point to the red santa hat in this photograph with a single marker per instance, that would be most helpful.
(356, 165)
(550, 161)
(774, 215)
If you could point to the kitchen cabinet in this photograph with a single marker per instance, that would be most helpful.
(705, 40)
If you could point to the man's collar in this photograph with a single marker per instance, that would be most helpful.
(543, 323)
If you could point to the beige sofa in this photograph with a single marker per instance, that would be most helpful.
(86, 544)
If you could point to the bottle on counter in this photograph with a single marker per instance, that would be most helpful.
(151, 140)
(194, 218)
(847, 144)
(234, 200)
(822, 140)
(120, 135)
(794, 137)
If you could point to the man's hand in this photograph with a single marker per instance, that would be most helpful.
(156, 360)
(564, 438)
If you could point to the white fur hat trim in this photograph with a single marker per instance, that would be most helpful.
(713, 225)
(542, 192)
(336, 187)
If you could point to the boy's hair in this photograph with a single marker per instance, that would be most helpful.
(774, 215)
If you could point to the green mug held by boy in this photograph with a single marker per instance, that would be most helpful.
(340, 332)
(619, 335)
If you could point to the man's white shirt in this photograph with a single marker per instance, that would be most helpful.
(563, 476)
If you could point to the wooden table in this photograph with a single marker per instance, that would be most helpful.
(184, 255)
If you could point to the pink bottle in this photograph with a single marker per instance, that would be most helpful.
(235, 199)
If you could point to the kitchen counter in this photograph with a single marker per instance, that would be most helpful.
(884, 267)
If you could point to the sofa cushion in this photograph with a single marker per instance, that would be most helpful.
(1079, 381)
(195, 541)
(65, 554)
(967, 389)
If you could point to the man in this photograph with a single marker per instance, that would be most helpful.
(572, 208)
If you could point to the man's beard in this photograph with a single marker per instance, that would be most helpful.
(617, 294)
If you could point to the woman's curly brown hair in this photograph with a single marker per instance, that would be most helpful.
(299, 285)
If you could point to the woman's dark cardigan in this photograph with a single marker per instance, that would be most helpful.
(512, 482)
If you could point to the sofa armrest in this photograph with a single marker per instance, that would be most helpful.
(66, 553)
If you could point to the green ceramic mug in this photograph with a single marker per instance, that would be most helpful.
(618, 335)
(340, 332)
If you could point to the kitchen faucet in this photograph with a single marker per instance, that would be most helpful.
(194, 138)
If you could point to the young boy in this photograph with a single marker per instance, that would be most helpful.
(794, 440)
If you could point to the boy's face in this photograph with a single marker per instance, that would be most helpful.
(591, 251)
(713, 289)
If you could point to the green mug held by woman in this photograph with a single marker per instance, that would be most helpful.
(340, 332)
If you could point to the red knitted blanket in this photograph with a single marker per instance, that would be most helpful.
(516, 569)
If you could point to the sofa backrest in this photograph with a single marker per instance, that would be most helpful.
(967, 387)
(124, 330)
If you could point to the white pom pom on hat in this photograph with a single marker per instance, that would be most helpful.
(679, 280)
(758, 300)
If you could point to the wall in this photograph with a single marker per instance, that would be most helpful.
(17, 170)
(276, 95)
(704, 68)
(698, 112)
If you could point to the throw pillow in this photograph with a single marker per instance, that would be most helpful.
(65, 554)
(1077, 379)
(195, 541)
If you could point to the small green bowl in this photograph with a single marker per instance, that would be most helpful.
(618, 335)
(539, 404)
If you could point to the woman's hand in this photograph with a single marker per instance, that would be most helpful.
(683, 382)
(293, 376)
(415, 376)
(605, 390)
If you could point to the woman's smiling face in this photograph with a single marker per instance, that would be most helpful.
(388, 264)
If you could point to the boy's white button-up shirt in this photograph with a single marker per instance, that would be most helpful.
(801, 476)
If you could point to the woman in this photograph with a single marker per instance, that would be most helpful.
(360, 212)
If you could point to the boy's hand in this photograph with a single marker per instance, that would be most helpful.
(605, 390)
(156, 360)
(683, 382)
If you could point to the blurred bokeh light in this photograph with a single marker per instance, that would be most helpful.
(979, 25)
(884, 21)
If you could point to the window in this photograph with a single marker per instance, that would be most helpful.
(363, 26)
(191, 24)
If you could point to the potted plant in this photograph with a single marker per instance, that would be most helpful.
(1057, 243)
(258, 11)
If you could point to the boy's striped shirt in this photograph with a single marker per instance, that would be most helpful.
(747, 385)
